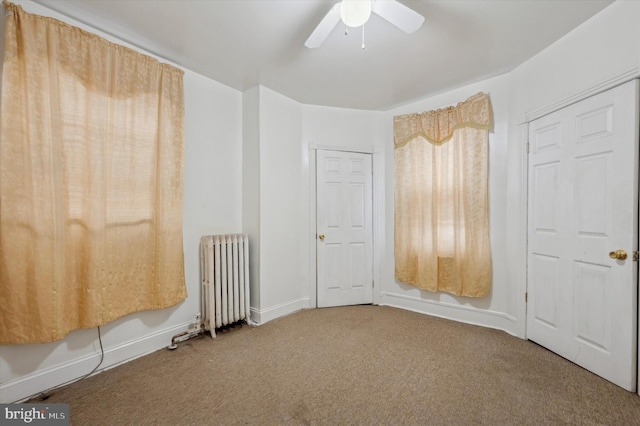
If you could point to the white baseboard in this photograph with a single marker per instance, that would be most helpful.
(460, 313)
(31, 384)
(261, 316)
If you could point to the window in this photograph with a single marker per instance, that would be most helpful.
(441, 206)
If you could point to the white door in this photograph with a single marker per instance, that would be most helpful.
(583, 204)
(344, 228)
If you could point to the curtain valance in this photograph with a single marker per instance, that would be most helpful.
(437, 126)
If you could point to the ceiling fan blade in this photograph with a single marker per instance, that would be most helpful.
(408, 20)
(324, 28)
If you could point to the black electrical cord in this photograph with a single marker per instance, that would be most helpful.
(42, 396)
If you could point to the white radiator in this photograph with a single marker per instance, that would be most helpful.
(224, 268)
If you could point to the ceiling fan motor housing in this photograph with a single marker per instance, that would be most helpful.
(355, 13)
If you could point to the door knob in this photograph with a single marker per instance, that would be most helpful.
(321, 236)
(618, 254)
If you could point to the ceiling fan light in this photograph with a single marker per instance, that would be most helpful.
(355, 13)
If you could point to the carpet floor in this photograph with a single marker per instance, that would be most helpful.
(357, 365)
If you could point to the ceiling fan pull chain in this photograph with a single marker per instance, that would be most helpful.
(362, 36)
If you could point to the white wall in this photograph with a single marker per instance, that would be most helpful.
(212, 204)
(271, 169)
(281, 279)
(604, 47)
(328, 126)
(251, 187)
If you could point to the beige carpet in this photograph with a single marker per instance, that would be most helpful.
(360, 365)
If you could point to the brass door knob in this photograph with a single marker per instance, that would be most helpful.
(618, 254)
(321, 236)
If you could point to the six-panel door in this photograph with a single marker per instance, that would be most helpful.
(344, 228)
(583, 205)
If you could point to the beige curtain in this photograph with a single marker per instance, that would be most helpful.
(441, 209)
(91, 158)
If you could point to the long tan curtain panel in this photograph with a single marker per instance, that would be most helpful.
(441, 203)
(91, 163)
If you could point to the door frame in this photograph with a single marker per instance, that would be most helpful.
(524, 122)
(377, 223)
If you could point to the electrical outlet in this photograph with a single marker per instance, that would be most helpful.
(198, 317)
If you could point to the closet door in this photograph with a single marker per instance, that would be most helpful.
(583, 218)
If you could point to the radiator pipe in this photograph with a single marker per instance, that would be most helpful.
(181, 337)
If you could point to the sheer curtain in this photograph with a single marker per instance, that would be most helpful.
(91, 159)
(441, 208)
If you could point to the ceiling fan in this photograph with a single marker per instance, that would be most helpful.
(355, 13)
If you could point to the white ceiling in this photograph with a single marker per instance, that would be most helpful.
(242, 43)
